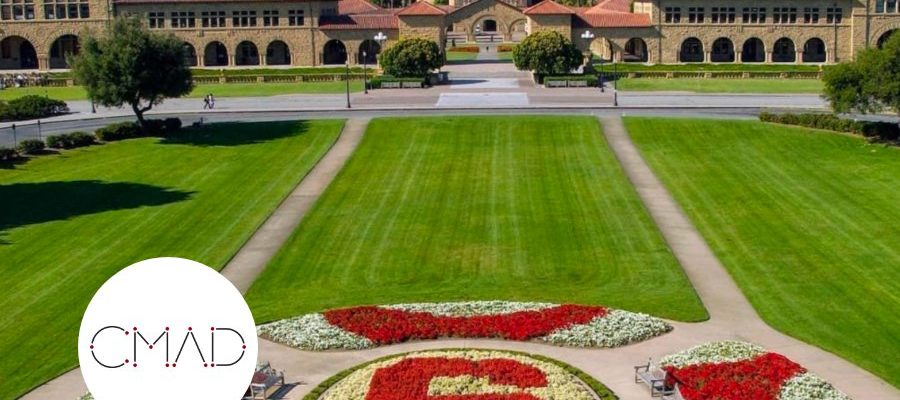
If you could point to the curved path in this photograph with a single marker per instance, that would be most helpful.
(731, 317)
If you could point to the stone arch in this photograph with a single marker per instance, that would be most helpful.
(635, 50)
(190, 54)
(784, 51)
(372, 49)
(722, 50)
(814, 51)
(246, 53)
(278, 53)
(61, 48)
(215, 54)
(17, 52)
(483, 25)
(691, 50)
(753, 51)
(883, 38)
(334, 52)
(518, 29)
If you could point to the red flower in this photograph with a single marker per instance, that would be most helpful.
(409, 379)
(759, 378)
(384, 326)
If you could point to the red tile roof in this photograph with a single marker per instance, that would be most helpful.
(611, 5)
(548, 7)
(359, 21)
(613, 20)
(345, 7)
(422, 7)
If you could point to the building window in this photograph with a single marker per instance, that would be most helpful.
(810, 15)
(16, 9)
(754, 15)
(62, 9)
(295, 17)
(879, 6)
(722, 15)
(891, 6)
(157, 20)
(834, 15)
(183, 19)
(695, 15)
(673, 15)
(243, 18)
(270, 18)
(212, 19)
(784, 15)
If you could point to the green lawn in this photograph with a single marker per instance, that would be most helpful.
(461, 56)
(806, 222)
(722, 85)
(218, 89)
(71, 221)
(700, 67)
(477, 208)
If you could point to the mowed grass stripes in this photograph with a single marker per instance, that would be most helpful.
(69, 222)
(805, 221)
(477, 208)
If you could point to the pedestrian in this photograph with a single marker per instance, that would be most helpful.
(205, 102)
(212, 101)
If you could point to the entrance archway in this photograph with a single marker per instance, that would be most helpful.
(518, 30)
(17, 52)
(814, 51)
(885, 36)
(247, 54)
(489, 26)
(215, 55)
(278, 53)
(61, 48)
(371, 49)
(691, 50)
(784, 51)
(722, 50)
(754, 51)
(334, 52)
(190, 55)
(635, 51)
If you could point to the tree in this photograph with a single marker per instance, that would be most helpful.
(547, 53)
(412, 57)
(869, 84)
(130, 65)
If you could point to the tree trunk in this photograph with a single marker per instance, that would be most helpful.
(139, 113)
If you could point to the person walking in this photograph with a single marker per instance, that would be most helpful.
(206, 102)
(212, 101)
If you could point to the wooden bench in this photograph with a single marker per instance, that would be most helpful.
(577, 83)
(653, 377)
(554, 84)
(264, 379)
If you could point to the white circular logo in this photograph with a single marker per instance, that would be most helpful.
(167, 328)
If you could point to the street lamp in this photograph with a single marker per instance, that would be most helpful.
(347, 79)
(615, 82)
(365, 75)
(588, 36)
(380, 38)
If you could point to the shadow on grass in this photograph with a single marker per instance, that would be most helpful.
(34, 203)
(237, 133)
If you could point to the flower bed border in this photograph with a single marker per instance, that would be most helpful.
(599, 389)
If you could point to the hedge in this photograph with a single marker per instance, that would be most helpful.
(375, 83)
(70, 140)
(873, 130)
(591, 79)
(464, 49)
(118, 131)
(8, 154)
(31, 107)
(31, 146)
(505, 48)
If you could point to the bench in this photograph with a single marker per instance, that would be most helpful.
(264, 379)
(554, 84)
(577, 83)
(653, 377)
(390, 85)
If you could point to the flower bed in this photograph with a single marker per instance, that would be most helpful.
(370, 326)
(738, 370)
(462, 375)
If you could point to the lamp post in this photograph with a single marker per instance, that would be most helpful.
(347, 79)
(365, 75)
(380, 38)
(587, 36)
(615, 84)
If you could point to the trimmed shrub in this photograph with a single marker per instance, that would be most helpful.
(70, 140)
(411, 57)
(118, 131)
(8, 154)
(154, 127)
(591, 79)
(172, 124)
(873, 130)
(31, 146)
(32, 107)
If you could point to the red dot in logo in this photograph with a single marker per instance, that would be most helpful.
(151, 347)
(167, 365)
(244, 346)
(126, 333)
(126, 361)
(173, 365)
(212, 365)
(167, 328)
(212, 328)
(190, 329)
(205, 365)
(92, 347)
(135, 328)
(134, 365)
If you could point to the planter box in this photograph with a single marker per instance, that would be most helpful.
(554, 84)
(390, 85)
(409, 85)
(577, 83)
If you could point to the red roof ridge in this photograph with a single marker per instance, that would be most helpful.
(422, 7)
(611, 6)
(548, 7)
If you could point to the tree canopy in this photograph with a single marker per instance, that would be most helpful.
(869, 84)
(547, 53)
(131, 65)
(411, 57)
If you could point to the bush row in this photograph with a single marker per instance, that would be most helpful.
(505, 48)
(873, 130)
(591, 79)
(70, 140)
(31, 107)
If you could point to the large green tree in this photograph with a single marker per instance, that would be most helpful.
(869, 84)
(131, 65)
(411, 57)
(547, 53)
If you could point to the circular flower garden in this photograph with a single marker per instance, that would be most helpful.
(462, 375)
(370, 326)
(738, 370)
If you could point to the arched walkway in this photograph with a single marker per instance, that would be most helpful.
(61, 48)
(215, 55)
(246, 54)
(334, 52)
(885, 36)
(722, 50)
(814, 51)
(17, 52)
(784, 51)
(518, 30)
(368, 52)
(278, 53)
(691, 50)
(635, 51)
(190, 55)
(489, 26)
(754, 51)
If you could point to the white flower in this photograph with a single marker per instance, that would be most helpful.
(807, 386)
(616, 328)
(312, 332)
(714, 352)
(471, 308)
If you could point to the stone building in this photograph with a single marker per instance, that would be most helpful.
(38, 34)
